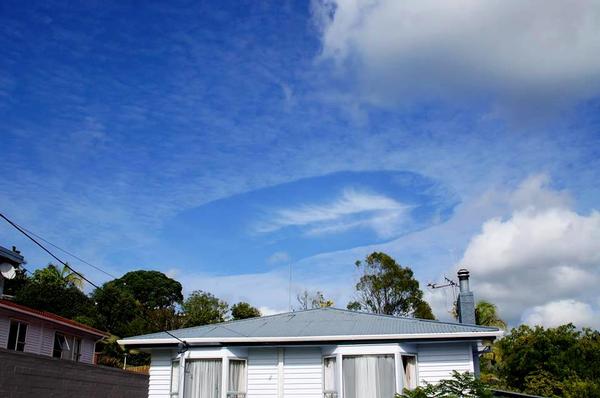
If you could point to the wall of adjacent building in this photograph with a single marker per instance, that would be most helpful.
(32, 375)
(39, 338)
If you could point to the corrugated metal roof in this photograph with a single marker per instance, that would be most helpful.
(315, 323)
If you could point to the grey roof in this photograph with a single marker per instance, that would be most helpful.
(331, 322)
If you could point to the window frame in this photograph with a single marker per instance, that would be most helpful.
(416, 357)
(20, 323)
(73, 346)
(236, 394)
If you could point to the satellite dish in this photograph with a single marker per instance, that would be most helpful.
(7, 270)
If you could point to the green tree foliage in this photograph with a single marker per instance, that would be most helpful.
(202, 308)
(117, 309)
(461, 385)
(139, 302)
(50, 289)
(385, 287)
(244, 310)
(486, 314)
(152, 289)
(553, 362)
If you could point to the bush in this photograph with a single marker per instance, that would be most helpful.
(461, 385)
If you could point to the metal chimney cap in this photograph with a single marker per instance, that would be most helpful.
(463, 273)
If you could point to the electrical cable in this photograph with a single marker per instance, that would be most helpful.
(47, 251)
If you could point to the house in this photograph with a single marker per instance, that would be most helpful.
(320, 353)
(28, 330)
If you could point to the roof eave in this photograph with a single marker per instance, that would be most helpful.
(296, 339)
(97, 333)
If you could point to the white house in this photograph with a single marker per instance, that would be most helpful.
(321, 353)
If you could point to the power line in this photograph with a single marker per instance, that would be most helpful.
(47, 251)
(67, 252)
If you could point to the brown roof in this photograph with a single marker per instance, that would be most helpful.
(48, 316)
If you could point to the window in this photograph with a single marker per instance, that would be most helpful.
(237, 379)
(202, 378)
(329, 378)
(409, 364)
(66, 347)
(16, 336)
(372, 376)
(175, 379)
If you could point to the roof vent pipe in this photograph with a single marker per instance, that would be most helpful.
(463, 280)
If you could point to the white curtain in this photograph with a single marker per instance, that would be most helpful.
(329, 377)
(202, 378)
(237, 377)
(175, 379)
(371, 376)
(410, 372)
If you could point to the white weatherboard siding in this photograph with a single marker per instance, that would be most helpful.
(4, 328)
(159, 385)
(263, 380)
(33, 338)
(302, 373)
(437, 361)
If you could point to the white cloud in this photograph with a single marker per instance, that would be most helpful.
(353, 209)
(544, 252)
(520, 50)
(560, 312)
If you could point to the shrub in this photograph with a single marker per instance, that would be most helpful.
(461, 385)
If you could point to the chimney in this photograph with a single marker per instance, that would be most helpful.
(465, 305)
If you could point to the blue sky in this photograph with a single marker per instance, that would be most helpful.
(221, 142)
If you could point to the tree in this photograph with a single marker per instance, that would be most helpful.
(310, 301)
(70, 276)
(49, 290)
(152, 289)
(486, 314)
(117, 309)
(244, 310)
(385, 287)
(202, 308)
(554, 362)
(463, 385)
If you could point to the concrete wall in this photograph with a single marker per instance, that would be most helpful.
(30, 375)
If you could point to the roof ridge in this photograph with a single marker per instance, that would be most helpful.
(413, 319)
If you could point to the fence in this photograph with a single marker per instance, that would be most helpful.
(30, 375)
(509, 394)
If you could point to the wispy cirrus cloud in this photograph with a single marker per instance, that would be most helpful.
(351, 209)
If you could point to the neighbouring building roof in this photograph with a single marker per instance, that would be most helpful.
(324, 324)
(50, 317)
(11, 256)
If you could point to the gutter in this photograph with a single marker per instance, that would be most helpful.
(297, 339)
(52, 320)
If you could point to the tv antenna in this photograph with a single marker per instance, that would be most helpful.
(447, 283)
